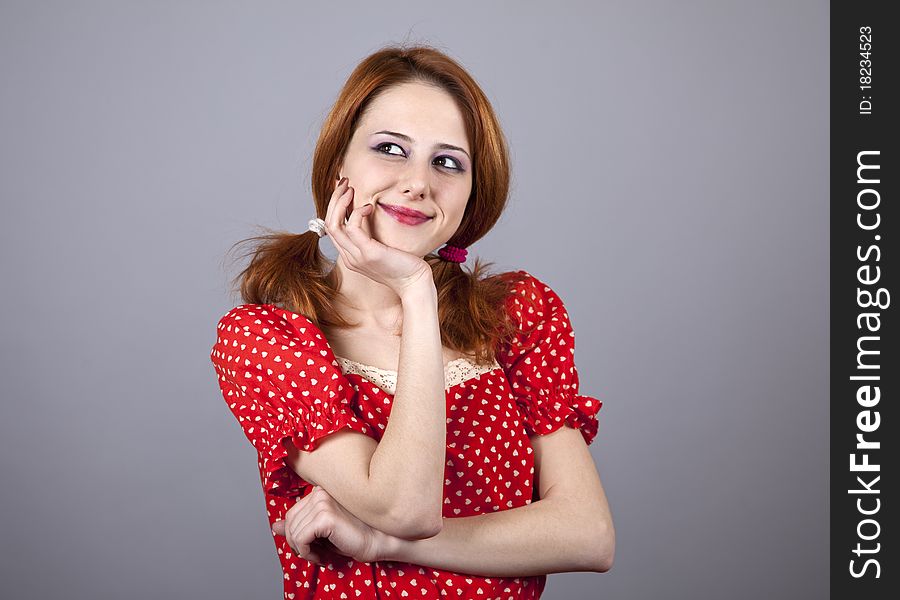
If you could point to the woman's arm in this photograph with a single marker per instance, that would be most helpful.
(569, 529)
(409, 460)
(395, 485)
(548, 536)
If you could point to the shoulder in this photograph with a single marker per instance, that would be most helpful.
(529, 295)
(271, 323)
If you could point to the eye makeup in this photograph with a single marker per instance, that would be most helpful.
(460, 164)
(461, 160)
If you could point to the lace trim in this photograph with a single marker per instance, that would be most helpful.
(456, 372)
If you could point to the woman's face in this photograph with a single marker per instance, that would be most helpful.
(410, 152)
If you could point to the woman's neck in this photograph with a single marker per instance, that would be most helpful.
(361, 300)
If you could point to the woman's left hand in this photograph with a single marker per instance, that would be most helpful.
(318, 515)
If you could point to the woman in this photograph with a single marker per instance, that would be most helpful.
(480, 483)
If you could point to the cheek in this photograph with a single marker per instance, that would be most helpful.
(374, 176)
(465, 190)
(458, 211)
(379, 164)
(457, 190)
(361, 167)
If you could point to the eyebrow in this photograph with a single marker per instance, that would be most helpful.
(409, 139)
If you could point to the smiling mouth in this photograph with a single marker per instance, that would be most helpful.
(404, 216)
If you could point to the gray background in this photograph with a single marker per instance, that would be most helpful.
(670, 183)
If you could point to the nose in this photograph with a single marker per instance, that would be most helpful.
(416, 180)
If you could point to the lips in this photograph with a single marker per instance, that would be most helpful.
(407, 216)
(406, 211)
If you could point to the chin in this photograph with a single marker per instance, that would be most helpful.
(405, 243)
(405, 246)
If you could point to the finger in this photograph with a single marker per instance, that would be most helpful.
(337, 229)
(302, 519)
(278, 527)
(354, 230)
(345, 255)
(296, 513)
(321, 525)
(335, 194)
(334, 219)
(297, 533)
(358, 213)
(313, 500)
(345, 247)
(337, 208)
(294, 537)
(339, 212)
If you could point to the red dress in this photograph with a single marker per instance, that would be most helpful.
(281, 379)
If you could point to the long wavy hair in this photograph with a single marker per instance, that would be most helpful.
(288, 269)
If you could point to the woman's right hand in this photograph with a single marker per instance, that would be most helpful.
(361, 253)
(318, 524)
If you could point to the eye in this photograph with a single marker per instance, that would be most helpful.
(456, 164)
(383, 144)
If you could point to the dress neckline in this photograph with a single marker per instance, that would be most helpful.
(447, 366)
(456, 372)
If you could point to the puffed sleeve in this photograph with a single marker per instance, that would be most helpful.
(539, 362)
(279, 378)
